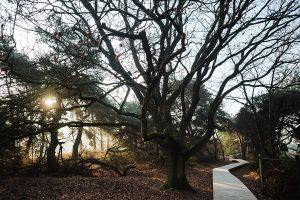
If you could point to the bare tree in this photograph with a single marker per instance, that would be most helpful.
(145, 47)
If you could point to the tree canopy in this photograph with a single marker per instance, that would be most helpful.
(162, 54)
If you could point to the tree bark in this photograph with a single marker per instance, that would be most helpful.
(75, 153)
(216, 148)
(176, 177)
(221, 146)
(41, 154)
(107, 143)
(94, 140)
(51, 158)
(101, 141)
(52, 163)
(242, 145)
(135, 143)
(28, 145)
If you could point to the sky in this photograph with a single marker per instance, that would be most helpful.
(27, 42)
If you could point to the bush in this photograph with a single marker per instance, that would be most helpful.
(10, 160)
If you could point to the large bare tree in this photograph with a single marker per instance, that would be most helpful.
(155, 50)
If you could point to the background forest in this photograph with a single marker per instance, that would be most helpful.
(88, 85)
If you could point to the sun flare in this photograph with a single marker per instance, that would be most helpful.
(50, 101)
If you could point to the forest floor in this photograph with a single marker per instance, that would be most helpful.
(143, 182)
(250, 178)
(280, 187)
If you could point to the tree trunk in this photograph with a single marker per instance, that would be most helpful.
(51, 158)
(95, 131)
(242, 145)
(216, 148)
(135, 142)
(101, 141)
(41, 154)
(94, 139)
(107, 143)
(176, 177)
(221, 145)
(28, 145)
(75, 153)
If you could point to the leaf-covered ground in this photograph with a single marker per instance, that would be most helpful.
(141, 183)
(250, 178)
(281, 186)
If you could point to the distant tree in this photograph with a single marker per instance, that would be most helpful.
(271, 125)
(230, 143)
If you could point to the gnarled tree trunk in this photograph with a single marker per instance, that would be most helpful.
(176, 177)
(75, 153)
(51, 158)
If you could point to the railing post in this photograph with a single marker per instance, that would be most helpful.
(298, 171)
(261, 171)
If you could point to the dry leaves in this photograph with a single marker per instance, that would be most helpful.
(141, 183)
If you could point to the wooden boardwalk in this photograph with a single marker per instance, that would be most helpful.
(228, 187)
